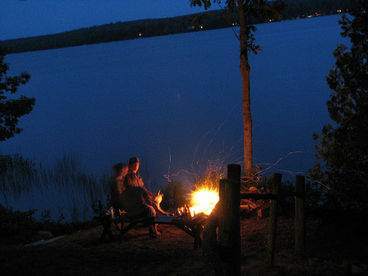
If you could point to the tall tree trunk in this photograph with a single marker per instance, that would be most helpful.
(244, 71)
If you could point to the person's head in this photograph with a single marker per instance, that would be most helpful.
(134, 164)
(119, 170)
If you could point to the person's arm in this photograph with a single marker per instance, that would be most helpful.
(120, 186)
(148, 197)
(127, 180)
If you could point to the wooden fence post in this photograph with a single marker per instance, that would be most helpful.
(299, 215)
(229, 221)
(276, 182)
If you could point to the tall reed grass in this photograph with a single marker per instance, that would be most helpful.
(62, 192)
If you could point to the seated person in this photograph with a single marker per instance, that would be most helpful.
(133, 178)
(139, 201)
(119, 171)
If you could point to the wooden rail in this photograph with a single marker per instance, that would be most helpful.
(269, 196)
(229, 217)
(229, 221)
(272, 229)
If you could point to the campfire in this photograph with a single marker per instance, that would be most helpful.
(202, 202)
(204, 197)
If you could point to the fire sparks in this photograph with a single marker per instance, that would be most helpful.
(203, 201)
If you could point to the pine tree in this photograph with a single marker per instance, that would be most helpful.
(11, 108)
(343, 146)
(246, 10)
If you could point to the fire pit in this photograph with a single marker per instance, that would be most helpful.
(192, 225)
(192, 219)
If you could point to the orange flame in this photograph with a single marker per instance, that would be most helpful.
(203, 201)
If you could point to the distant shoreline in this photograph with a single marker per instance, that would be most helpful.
(165, 26)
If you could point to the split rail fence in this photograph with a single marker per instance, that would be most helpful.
(229, 217)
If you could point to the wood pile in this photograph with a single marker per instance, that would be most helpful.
(251, 207)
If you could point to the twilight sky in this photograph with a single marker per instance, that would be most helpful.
(24, 18)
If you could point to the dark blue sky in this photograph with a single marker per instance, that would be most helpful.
(24, 18)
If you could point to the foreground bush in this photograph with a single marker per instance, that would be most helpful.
(21, 227)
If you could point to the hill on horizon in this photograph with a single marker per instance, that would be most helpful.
(164, 26)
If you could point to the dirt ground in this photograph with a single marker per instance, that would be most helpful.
(82, 253)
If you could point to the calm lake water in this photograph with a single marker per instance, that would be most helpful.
(175, 101)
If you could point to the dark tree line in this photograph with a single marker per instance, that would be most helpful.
(303, 8)
(165, 26)
(343, 146)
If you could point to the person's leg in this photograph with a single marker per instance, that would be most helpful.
(152, 226)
